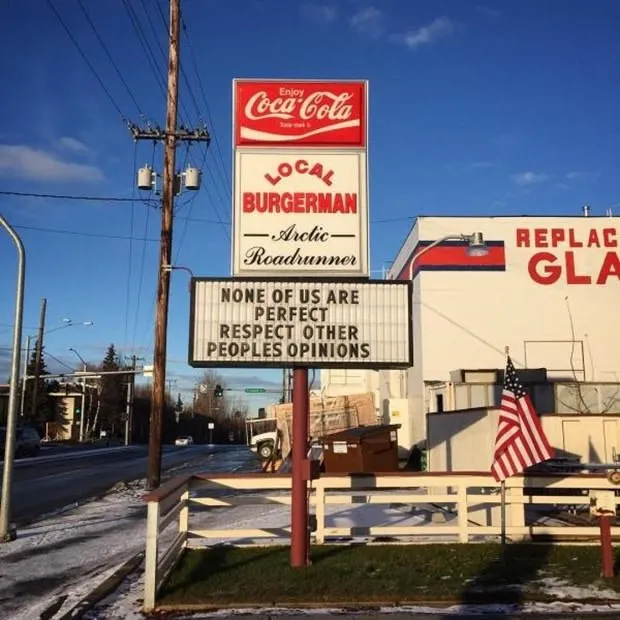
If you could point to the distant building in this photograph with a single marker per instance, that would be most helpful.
(67, 425)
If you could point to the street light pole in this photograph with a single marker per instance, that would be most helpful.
(83, 411)
(37, 361)
(66, 323)
(6, 532)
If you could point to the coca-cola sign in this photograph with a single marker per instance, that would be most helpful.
(314, 114)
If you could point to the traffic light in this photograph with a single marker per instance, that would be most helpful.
(219, 391)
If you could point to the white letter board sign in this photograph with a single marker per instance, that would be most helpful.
(288, 323)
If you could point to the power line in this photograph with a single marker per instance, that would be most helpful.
(206, 102)
(205, 147)
(79, 233)
(404, 218)
(85, 58)
(183, 75)
(148, 49)
(110, 58)
(47, 354)
(142, 265)
(67, 197)
(150, 57)
(190, 202)
(131, 230)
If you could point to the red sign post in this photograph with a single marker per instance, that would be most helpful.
(287, 204)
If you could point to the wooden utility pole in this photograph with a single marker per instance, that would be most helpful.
(171, 137)
(37, 362)
(131, 384)
(158, 401)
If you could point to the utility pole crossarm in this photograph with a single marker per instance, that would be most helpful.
(182, 135)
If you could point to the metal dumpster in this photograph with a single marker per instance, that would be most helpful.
(362, 450)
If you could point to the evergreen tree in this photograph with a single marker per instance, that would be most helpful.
(47, 406)
(112, 394)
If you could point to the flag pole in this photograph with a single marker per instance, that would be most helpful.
(503, 512)
(502, 506)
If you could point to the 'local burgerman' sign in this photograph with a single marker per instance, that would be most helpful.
(300, 213)
(323, 323)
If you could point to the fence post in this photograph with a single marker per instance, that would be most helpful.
(463, 515)
(516, 503)
(184, 513)
(150, 556)
(319, 511)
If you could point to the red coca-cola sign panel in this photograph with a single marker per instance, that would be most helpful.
(283, 113)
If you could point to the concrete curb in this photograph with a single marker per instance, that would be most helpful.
(376, 606)
(105, 588)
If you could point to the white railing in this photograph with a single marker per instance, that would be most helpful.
(462, 507)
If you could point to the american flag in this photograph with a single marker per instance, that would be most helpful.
(520, 441)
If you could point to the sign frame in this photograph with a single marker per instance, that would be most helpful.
(361, 226)
(361, 144)
(286, 364)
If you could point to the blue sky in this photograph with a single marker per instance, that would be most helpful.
(475, 108)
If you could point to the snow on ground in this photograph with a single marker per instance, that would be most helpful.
(63, 557)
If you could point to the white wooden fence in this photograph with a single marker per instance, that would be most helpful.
(466, 504)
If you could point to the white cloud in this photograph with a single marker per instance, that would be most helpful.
(25, 162)
(71, 144)
(481, 165)
(529, 178)
(368, 22)
(488, 11)
(324, 13)
(439, 28)
(582, 175)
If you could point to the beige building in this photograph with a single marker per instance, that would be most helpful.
(548, 288)
(66, 427)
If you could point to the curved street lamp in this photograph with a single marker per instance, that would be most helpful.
(8, 533)
(476, 246)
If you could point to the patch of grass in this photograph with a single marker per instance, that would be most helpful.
(223, 576)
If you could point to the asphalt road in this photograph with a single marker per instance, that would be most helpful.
(47, 483)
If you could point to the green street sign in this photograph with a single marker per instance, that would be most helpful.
(254, 390)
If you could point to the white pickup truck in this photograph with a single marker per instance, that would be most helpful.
(265, 444)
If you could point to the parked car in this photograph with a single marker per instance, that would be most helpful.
(27, 442)
(186, 440)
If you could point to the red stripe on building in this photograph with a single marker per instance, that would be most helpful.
(456, 257)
